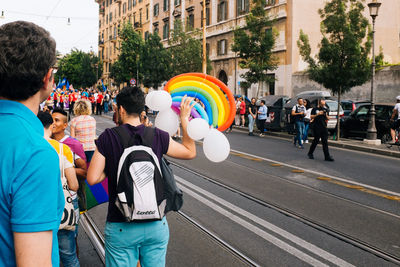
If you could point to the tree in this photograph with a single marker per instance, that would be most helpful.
(128, 64)
(155, 62)
(254, 43)
(186, 51)
(342, 61)
(81, 69)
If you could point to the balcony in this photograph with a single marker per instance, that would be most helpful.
(114, 39)
(137, 25)
(101, 10)
(101, 43)
(118, 1)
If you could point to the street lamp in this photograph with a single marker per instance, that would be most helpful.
(371, 132)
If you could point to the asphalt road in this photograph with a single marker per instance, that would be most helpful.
(287, 210)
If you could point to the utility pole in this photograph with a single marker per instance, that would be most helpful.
(204, 39)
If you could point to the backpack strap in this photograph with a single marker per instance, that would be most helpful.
(125, 136)
(148, 136)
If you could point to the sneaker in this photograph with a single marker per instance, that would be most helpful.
(251, 134)
(261, 135)
(306, 141)
(301, 146)
(329, 159)
(310, 156)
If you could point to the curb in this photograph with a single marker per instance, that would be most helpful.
(372, 150)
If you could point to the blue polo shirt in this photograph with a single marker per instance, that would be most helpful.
(31, 196)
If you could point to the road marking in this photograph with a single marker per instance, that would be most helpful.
(297, 171)
(272, 239)
(388, 194)
(275, 165)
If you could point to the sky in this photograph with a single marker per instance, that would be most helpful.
(82, 33)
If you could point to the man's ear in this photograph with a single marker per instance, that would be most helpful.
(48, 78)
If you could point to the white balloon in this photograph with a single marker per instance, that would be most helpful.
(198, 129)
(216, 146)
(160, 100)
(168, 121)
(148, 99)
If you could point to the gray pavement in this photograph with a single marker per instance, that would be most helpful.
(272, 170)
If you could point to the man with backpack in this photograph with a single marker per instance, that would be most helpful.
(130, 156)
(298, 113)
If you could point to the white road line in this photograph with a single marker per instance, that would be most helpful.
(298, 241)
(320, 173)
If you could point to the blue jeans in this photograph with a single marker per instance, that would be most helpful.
(305, 134)
(67, 248)
(105, 107)
(299, 131)
(251, 123)
(126, 243)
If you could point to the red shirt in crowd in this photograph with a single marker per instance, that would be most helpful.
(99, 98)
(242, 108)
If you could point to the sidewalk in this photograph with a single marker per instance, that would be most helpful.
(351, 144)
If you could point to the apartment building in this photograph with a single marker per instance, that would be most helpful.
(222, 17)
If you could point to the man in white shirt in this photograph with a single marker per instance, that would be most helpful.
(395, 123)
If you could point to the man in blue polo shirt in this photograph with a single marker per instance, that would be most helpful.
(31, 196)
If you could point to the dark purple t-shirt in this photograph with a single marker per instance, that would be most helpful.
(109, 146)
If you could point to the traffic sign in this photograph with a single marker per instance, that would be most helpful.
(133, 82)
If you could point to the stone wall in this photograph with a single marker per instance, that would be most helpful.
(387, 86)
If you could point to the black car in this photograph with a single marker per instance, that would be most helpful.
(350, 105)
(356, 124)
(276, 111)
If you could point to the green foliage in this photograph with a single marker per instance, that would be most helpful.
(155, 62)
(254, 44)
(128, 64)
(342, 61)
(186, 51)
(79, 68)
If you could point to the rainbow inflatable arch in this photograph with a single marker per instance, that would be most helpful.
(219, 104)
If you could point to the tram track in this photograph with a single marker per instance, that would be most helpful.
(304, 219)
(96, 238)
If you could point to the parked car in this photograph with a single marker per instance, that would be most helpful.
(333, 109)
(356, 125)
(276, 111)
(350, 105)
(311, 96)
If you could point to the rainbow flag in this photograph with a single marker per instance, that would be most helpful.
(96, 194)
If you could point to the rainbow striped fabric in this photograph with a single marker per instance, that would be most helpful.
(96, 194)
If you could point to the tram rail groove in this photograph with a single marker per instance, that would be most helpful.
(94, 234)
(96, 238)
(314, 224)
(220, 241)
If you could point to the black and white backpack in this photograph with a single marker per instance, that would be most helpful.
(143, 192)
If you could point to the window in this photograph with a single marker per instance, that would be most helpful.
(110, 17)
(242, 6)
(166, 5)
(207, 49)
(146, 35)
(177, 2)
(140, 16)
(140, 1)
(207, 17)
(106, 3)
(106, 19)
(269, 2)
(166, 30)
(124, 8)
(134, 2)
(99, 23)
(156, 30)
(134, 18)
(222, 47)
(156, 10)
(115, 32)
(190, 22)
(222, 10)
(129, 4)
(147, 12)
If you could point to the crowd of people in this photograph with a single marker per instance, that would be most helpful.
(65, 98)
(44, 170)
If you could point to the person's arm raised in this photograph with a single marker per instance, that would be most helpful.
(186, 150)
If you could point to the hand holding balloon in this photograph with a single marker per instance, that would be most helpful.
(186, 106)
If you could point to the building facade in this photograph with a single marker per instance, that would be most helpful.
(222, 17)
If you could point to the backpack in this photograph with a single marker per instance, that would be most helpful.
(146, 189)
